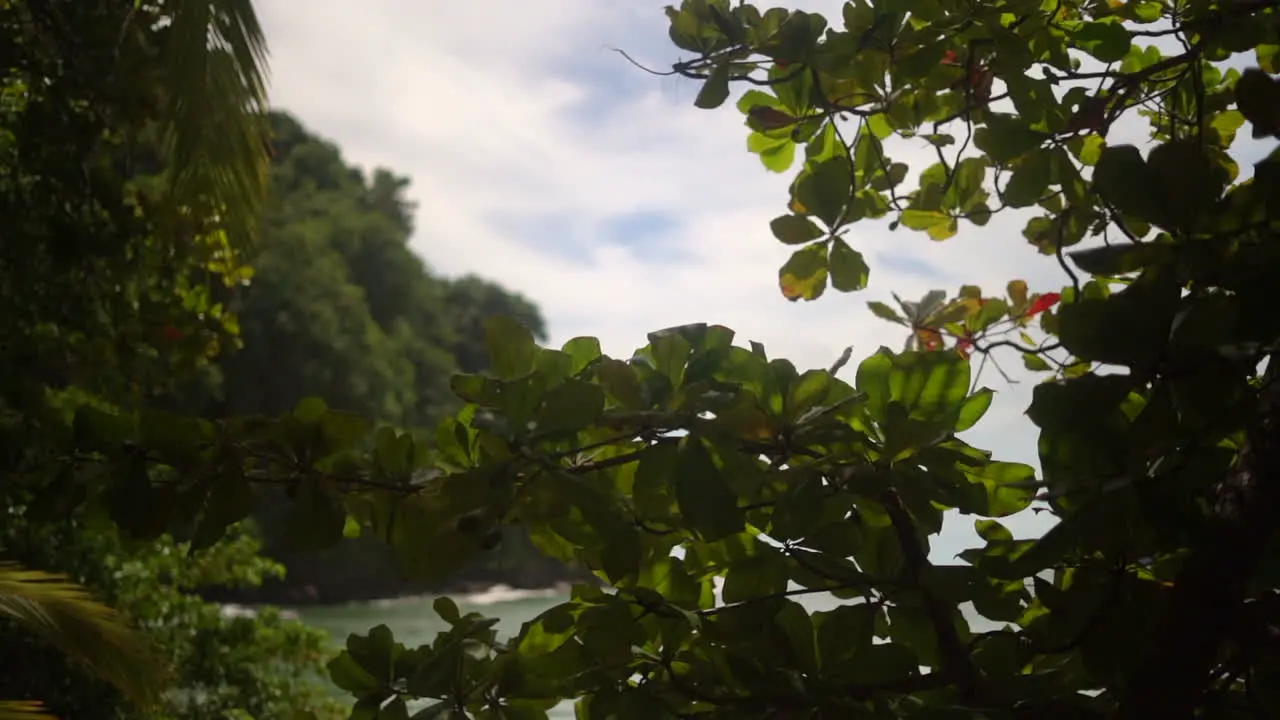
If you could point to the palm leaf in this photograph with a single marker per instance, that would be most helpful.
(215, 116)
(67, 616)
(23, 710)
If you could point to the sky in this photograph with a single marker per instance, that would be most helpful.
(542, 160)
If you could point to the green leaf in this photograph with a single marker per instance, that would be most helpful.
(929, 385)
(1061, 406)
(1034, 362)
(826, 189)
(1258, 98)
(925, 219)
(620, 381)
(1122, 178)
(317, 517)
(881, 664)
(715, 90)
(805, 274)
(1190, 181)
(703, 494)
(427, 542)
(1007, 488)
(582, 351)
(1030, 180)
(795, 229)
(1268, 56)
(569, 407)
(872, 380)
(761, 574)
(844, 632)
(1128, 328)
(347, 674)
(974, 407)
(885, 312)
(1121, 259)
(966, 182)
(1108, 42)
(512, 350)
(310, 410)
(375, 652)
(1007, 137)
(230, 500)
(849, 272)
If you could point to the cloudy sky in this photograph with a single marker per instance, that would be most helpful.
(541, 159)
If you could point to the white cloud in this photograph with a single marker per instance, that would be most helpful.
(510, 109)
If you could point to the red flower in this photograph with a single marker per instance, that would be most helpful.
(1042, 303)
(949, 58)
(171, 333)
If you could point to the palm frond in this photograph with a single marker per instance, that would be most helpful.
(23, 710)
(67, 616)
(216, 114)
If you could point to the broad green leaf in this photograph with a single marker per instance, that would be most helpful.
(1121, 259)
(762, 574)
(1006, 488)
(1122, 178)
(1268, 56)
(583, 351)
(569, 407)
(1087, 402)
(428, 541)
(621, 383)
(1258, 98)
(795, 229)
(347, 674)
(512, 350)
(707, 502)
(826, 189)
(848, 270)
(310, 410)
(1107, 42)
(1006, 137)
(375, 652)
(924, 219)
(805, 274)
(317, 517)
(1191, 182)
(973, 408)
(715, 90)
(881, 664)
(929, 385)
(1030, 180)
(844, 632)
(872, 380)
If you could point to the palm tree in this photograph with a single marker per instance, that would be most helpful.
(94, 635)
(213, 77)
(205, 60)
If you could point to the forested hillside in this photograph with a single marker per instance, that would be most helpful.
(340, 307)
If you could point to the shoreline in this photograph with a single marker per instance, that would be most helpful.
(473, 594)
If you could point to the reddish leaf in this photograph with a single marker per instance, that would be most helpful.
(929, 338)
(1042, 303)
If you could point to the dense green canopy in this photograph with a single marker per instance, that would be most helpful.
(708, 485)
